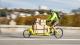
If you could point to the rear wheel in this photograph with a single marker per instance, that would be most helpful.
(58, 33)
(26, 34)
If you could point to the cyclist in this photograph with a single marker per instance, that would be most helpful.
(53, 18)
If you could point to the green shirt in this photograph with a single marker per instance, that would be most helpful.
(53, 17)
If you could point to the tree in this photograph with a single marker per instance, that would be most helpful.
(76, 11)
(3, 12)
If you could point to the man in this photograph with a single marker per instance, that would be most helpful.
(53, 18)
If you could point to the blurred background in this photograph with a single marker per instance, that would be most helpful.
(25, 12)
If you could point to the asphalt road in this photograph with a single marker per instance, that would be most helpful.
(70, 37)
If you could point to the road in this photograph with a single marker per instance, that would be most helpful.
(70, 37)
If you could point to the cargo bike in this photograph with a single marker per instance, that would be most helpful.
(41, 29)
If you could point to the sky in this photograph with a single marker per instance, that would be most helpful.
(61, 5)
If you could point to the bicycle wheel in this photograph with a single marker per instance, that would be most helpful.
(58, 33)
(26, 34)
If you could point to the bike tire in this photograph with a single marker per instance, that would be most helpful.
(57, 31)
(26, 35)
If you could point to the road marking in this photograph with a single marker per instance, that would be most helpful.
(41, 39)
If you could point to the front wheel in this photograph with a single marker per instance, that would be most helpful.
(58, 33)
(26, 34)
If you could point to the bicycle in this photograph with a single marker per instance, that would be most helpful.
(57, 32)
